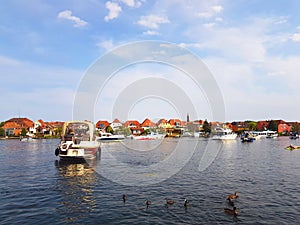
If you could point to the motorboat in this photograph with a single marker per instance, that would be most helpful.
(110, 137)
(294, 135)
(263, 134)
(220, 133)
(273, 134)
(247, 137)
(78, 141)
(149, 136)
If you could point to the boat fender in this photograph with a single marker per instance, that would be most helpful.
(57, 151)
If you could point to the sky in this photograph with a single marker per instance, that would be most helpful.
(251, 48)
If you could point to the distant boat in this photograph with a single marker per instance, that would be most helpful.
(273, 134)
(78, 141)
(223, 134)
(294, 135)
(247, 137)
(149, 136)
(110, 137)
(265, 133)
(27, 139)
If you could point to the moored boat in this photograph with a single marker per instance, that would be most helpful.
(78, 141)
(110, 137)
(223, 134)
(149, 136)
(247, 137)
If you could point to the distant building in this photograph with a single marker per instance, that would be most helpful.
(147, 124)
(116, 124)
(102, 124)
(239, 126)
(134, 126)
(14, 126)
(263, 125)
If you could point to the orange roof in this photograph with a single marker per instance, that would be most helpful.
(102, 124)
(131, 123)
(116, 121)
(18, 123)
(148, 123)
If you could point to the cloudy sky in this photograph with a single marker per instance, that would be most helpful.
(252, 49)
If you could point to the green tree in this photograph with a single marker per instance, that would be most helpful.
(2, 124)
(206, 127)
(2, 132)
(252, 125)
(23, 132)
(109, 130)
(273, 125)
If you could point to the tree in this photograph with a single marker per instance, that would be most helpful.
(109, 130)
(2, 124)
(23, 132)
(273, 125)
(252, 125)
(2, 132)
(206, 127)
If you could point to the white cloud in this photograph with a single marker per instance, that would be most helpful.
(107, 45)
(217, 8)
(209, 25)
(151, 33)
(212, 11)
(132, 3)
(296, 37)
(153, 21)
(67, 15)
(114, 10)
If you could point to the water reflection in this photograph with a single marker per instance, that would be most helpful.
(76, 187)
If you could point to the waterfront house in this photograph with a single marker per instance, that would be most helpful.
(134, 126)
(263, 125)
(284, 128)
(162, 124)
(116, 124)
(14, 126)
(102, 125)
(239, 126)
(195, 126)
(148, 124)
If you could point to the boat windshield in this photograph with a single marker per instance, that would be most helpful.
(78, 130)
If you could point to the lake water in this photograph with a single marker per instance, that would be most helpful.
(37, 188)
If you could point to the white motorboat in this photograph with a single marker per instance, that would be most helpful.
(78, 141)
(265, 134)
(149, 136)
(110, 137)
(223, 134)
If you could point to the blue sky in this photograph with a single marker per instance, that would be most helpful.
(251, 47)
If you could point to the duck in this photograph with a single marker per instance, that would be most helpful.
(148, 202)
(234, 196)
(186, 203)
(124, 198)
(233, 211)
(169, 201)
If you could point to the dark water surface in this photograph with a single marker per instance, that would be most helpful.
(37, 188)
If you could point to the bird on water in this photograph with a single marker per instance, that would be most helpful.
(124, 198)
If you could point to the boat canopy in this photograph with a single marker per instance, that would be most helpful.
(84, 129)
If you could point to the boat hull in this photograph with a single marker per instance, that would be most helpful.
(69, 150)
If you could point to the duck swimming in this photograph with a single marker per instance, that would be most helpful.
(186, 203)
(233, 211)
(148, 202)
(234, 196)
(124, 198)
(169, 201)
